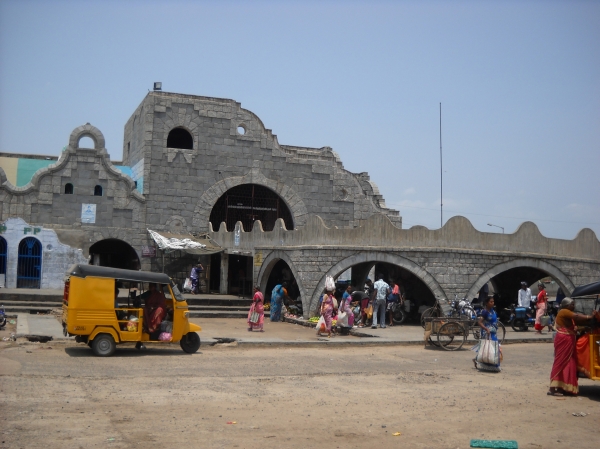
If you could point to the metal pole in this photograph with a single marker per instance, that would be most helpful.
(441, 174)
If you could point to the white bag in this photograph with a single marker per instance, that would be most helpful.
(488, 352)
(187, 285)
(329, 284)
(321, 326)
(342, 319)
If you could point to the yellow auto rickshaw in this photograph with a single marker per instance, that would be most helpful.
(94, 309)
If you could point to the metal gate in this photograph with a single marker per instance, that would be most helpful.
(2, 262)
(29, 264)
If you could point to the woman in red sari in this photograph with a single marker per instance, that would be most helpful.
(563, 378)
(541, 304)
(258, 307)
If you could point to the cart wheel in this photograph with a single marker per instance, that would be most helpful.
(190, 342)
(476, 332)
(451, 336)
(433, 341)
(104, 345)
(432, 312)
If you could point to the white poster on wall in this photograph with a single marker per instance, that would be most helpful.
(88, 213)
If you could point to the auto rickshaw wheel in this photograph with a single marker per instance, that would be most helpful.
(190, 342)
(104, 345)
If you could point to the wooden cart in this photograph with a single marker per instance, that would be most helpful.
(448, 333)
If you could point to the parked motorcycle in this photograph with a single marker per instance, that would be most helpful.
(522, 318)
(406, 311)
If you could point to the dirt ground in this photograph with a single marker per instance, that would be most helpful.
(59, 395)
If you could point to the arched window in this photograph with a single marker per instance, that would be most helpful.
(180, 138)
(98, 191)
(68, 189)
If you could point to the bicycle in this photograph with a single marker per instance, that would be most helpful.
(440, 308)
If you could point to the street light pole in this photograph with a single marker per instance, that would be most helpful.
(489, 224)
(441, 174)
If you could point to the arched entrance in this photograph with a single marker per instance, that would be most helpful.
(506, 278)
(282, 273)
(114, 253)
(419, 286)
(248, 203)
(29, 263)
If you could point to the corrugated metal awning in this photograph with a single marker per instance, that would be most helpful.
(188, 243)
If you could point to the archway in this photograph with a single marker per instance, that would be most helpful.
(114, 253)
(506, 279)
(29, 263)
(422, 286)
(248, 203)
(276, 269)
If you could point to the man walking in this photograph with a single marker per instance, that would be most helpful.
(524, 297)
(195, 277)
(383, 290)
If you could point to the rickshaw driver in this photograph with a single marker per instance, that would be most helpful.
(155, 310)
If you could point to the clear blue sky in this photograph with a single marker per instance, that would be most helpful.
(519, 83)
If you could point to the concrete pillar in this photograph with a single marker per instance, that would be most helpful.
(224, 273)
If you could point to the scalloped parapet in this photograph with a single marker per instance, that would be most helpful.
(379, 232)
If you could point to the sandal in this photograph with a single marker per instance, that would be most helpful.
(553, 393)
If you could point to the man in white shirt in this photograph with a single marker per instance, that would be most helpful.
(524, 296)
(383, 290)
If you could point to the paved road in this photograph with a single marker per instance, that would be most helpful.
(60, 396)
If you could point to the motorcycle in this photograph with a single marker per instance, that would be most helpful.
(522, 318)
(406, 311)
(461, 308)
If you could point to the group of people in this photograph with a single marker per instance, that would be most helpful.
(541, 304)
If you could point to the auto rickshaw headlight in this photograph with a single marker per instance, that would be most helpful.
(186, 314)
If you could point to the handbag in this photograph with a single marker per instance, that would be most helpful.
(488, 352)
(254, 317)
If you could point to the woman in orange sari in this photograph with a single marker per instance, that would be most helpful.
(563, 378)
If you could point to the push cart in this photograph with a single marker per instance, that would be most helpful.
(448, 333)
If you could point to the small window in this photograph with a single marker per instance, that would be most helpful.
(68, 189)
(98, 191)
(180, 138)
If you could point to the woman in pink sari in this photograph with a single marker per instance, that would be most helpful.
(258, 307)
(563, 378)
(541, 304)
(327, 311)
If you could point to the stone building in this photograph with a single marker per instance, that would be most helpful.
(189, 164)
(207, 169)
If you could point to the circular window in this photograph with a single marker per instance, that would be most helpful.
(241, 130)
(49, 247)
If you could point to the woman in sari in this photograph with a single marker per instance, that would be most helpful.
(488, 322)
(541, 304)
(258, 307)
(327, 312)
(277, 295)
(563, 377)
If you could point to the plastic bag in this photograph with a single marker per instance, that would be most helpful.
(166, 326)
(132, 326)
(187, 285)
(329, 284)
(369, 311)
(342, 319)
(488, 352)
(164, 336)
(321, 326)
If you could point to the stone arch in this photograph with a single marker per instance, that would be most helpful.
(562, 279)
(180, 138)
(376, 256)
(211, 196)
(268, 264)
(87, 130)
